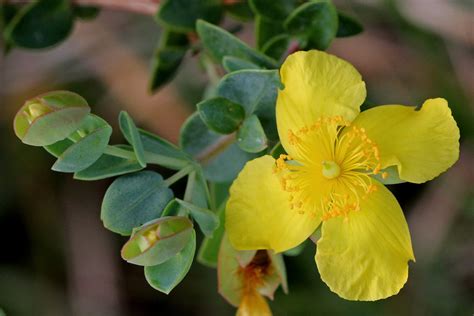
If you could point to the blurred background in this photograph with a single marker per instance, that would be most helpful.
(56, 258)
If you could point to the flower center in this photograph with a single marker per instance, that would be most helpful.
(330, 173)
(331, 169)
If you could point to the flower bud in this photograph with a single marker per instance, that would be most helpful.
(50, 117)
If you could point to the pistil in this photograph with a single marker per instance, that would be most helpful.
(331, 169)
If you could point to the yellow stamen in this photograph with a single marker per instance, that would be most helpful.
(331, 174)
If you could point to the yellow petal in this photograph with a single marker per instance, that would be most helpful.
(253, 304)
(316, 84)
(422, 144)
(365, 257)
(258, 215)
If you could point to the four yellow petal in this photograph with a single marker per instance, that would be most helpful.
(422, 144)
(316, 84)
(258, 215)
(365, 257)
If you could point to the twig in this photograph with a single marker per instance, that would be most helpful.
(147, 7)
(219, 146)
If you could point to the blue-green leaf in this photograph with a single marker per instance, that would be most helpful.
(348, 26)
(132, 135)
(232, 64)
(197, 191)
(134, 199)
(50, 117)
(276, 46)
(273, 10)
(221, 115)
(158, 241)
(173, 208)
(85, 12)
(251, 136)
(219, 43)
(181, 15)
(266, 29)
(90, 139)
(109, 166)
(256, 91)
(220, 165)
(166, 276)
(209, 250)
(315, 23)
(239, 10)
(207, 220)
(40, 24)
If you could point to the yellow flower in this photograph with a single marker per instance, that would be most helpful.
(334, 152)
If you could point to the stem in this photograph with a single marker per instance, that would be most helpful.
(210, 70)
(147, 7)
(119, 152)
(157, 159)
(172, 163)
(215, 149)
(190, 187)
(180, 174)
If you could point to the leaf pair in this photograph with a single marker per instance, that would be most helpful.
(243, 97)
(163, 239)
(61, 122)
(165, 247)
(314, 23)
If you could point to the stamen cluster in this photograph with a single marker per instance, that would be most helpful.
(329, 142)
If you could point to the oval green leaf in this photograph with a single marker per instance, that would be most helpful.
(165, 64)
(251, 136)
(207, 220)
(276, 46)
(41, 24)
(50, 117)
(348, 26)
(209, 250)
(181, 15)
(173, 208)
(58, 148)
(256, 91)
(197, 191)
(315, 23)
(239, 10)
(271, 9)
(219, 43)
(158, 241)
(221, 115)
(266, 29)
(108, 166)
(166, 276)
(167, 58)
(219, 166)
(132, 135)
(90, 141)
(232, 64)
(134, 199)
(85, 12)
(163, 152)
